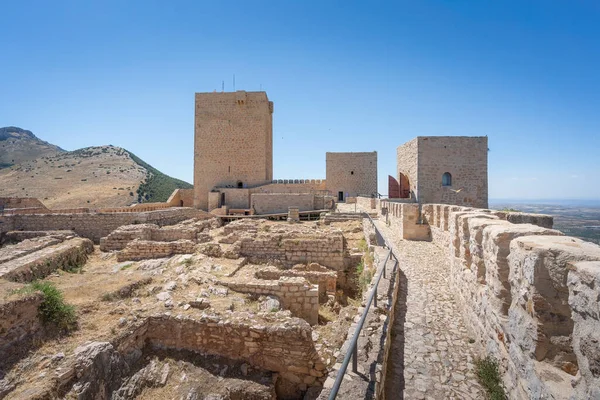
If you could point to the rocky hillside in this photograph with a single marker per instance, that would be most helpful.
(94, 177)
(18, 145)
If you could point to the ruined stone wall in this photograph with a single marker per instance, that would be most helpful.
(233, 141)
(21, 202)
(525, 291)
(119, 238)
(147, 249)
(351, 173)
(465, 158)
(97, 225)
(327, 250)
(284, 347)
(71, 253)
(314, 273)
(271, 203)
(295, 293)
(27, 246)
(407, 163)
(20, 326)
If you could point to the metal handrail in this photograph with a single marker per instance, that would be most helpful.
(372, 299)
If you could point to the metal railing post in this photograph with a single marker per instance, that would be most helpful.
(375, 295)
(355, 358)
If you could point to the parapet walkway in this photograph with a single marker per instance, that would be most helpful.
(432, 356)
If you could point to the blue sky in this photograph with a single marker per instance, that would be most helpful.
(344, 76)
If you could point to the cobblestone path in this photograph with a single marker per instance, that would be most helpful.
(432, 354)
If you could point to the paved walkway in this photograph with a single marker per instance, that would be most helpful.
(432, 357)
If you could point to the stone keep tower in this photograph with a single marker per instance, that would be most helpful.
(233, 142)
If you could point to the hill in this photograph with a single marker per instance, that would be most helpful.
(19, 145)
(94, 177)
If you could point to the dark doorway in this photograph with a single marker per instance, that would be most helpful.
(340, 196)
(180, 203)
(222, 199)
(240, 184)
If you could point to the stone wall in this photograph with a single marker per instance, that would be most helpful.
(351, 173)
(324, 249)
(583, 281)
(97, 225)
(525, 291)
(405, 219)
(314, 273)
(293, 186)
(181, 198)
(366, 203)
(424, 160)
(38, 264)
(282, 346)
(407, 163)
(295, 293)
(272, 203)
(235, 198)
(119, 238)
(19, 326)
(147, 249)
(233, 142)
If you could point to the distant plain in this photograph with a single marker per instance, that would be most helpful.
(579, 218)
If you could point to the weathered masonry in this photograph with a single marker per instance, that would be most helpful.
(443, 169)
(233, 142)
(233, 162)
(351, 174)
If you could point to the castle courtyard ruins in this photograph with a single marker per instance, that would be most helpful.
(253, 287)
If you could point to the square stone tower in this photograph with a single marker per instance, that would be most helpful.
(351, 174)
(446, 169)
(233, 142)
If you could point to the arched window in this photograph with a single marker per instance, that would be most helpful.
(446, 179)
(240, 184)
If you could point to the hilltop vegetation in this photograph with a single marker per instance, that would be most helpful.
(157, 187)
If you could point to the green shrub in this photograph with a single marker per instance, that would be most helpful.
(53, 309)
(362, 245)
(488, 375)
(157, 187)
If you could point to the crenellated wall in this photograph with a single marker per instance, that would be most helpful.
(529, 294)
